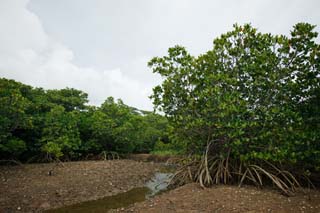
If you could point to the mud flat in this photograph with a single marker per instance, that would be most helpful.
(38, 187)
(193, 198)
(130, 186)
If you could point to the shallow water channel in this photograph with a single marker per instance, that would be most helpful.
(157, 184)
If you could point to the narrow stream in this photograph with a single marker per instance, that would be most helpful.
(156, 185)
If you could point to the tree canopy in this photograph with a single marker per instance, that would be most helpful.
(47, 124)
(253, 96)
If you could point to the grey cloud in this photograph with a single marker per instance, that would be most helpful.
(103, 47)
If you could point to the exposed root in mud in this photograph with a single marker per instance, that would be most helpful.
(218, 169)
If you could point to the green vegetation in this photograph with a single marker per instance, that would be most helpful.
(37, 124)
(165, 149)
(250, 106)
(248, 110)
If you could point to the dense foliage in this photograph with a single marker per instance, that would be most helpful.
(253, 97)
(46, 124)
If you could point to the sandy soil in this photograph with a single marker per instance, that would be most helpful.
(192, 198)
(35, 187)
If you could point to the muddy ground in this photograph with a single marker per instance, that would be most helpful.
(193, 198)
(35, 187)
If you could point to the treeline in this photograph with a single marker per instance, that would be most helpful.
(38, 124)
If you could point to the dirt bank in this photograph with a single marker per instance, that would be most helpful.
(36, 187)
(192, 198)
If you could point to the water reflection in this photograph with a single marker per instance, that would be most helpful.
(158, 183)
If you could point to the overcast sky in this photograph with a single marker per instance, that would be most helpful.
(102, 47)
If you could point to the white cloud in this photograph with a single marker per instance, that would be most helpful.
(28, 54)
(102, 47)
